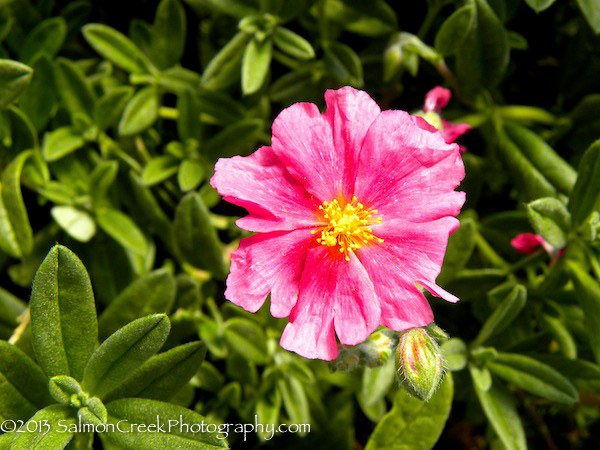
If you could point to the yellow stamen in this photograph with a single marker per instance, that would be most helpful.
(347, 226)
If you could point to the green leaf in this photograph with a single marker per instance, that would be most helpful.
(588, 296)
(23, 134)
(74, 89)
(37, 101)
(61, 142)
(122, 229)
(503, 315)
(454, 351)
(549, 218)
(77, 223)
(63, 315)
(371, 19)
(52, 428)
(144, 411)
(591, 11)
(534, 376)
(192, 230)
(454, 30)
(294, 399)
(584, 197)
(169, 29)
(159, 169)
(344, 64)
(11, 308)
(543, 157)
(293, 44)
(460, 247)
(117, 48)
(483, 54)
(268, 406)
(500, 409)
(539, 5)
(47, 37)
(14, 77)
(151, 293)
(190, 174)
(16, 236)
(224, 68)
(23, 385)
(234, 139)
(124, 352)
(246, 338)
(413, 424)
(108, 109)
(141, 112)
(101, 179)
(163, 375)
(255, 64)
(376, 382)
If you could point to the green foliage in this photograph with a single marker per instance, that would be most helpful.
(110, 127)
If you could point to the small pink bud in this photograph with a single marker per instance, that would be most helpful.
(419, 363)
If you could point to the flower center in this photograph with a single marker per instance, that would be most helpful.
(348, 227)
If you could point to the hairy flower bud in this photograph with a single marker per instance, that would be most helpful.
(377, 349)
(419, 363)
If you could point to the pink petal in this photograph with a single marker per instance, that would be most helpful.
(526, 242)
(437, 98)
(320, 151)
(349, 112)
(269, 262)
(452, 132)
(334, 294)
(406, 171)
(260, 183)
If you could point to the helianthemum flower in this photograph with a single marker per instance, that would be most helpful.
(352, 210)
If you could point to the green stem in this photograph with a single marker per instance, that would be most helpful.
(432, 13)
(167, 112)
(489, 253)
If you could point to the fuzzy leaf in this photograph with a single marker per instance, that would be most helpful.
(169, 31)
(14, 77)
(255, 64)
(47, 37)
(585, 194)
(50, 429)
(122, 229)
(550, 218)
(140, 113)
(77, 223)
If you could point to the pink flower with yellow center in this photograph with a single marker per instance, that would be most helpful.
(352, 210)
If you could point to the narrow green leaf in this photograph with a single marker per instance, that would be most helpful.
(47, 37)
(454, 351)
(16, 236)
(188, 121)
(454, 30)
(190, 174)
(234, 139)
(376, 382)
(159, 169)
(23, 385)
(591, 11)
(588, 295)
(117, 48)
(503, 315)
(108, 109)
(74, 89)
(293, 44)
(344, 64)
(163, 375)
(413, 424)
(555, 169)
(584, 196)
(77, 223)
(224, 68)
(255, 64)
(37, 101)
(549, 218)
(101, 179)
(460, 247)
(63, 314)
(247, 338)
(294, 399)
(534, 376)
(151, 293)
(192, 230)
(11, 308)
(141, 112)
(122, 229)
(61, 142)
(51, 428)
(483, 54)
(169, 30)
(539, 5)
(267, 409)
(124, 352)
(171, 418)
(500, 409)
(14, 77)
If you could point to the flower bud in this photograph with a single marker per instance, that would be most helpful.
(348, 359)
(377, 349)
(419, 363)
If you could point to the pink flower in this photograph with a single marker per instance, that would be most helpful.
(526, 243)
(436, 100)
(352, 210)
